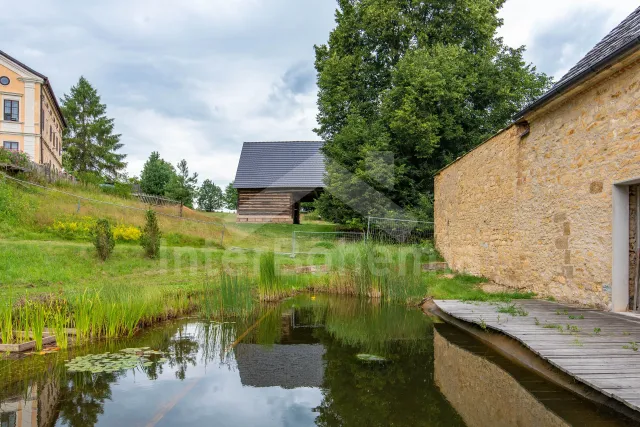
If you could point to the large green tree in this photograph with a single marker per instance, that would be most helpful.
(182, 186)
(156, 175)
(404, 88)
(210, 196)
(230, 197)
(90, 145)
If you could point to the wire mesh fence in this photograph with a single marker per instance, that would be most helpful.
(398, 231)
(309, 242)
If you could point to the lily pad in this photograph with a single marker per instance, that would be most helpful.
(370, 358)
(113, 362)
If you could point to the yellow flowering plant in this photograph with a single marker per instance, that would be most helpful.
(127, 233)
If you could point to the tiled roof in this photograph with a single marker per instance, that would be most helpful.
(627, 31)
(622, 39)
(280, 164)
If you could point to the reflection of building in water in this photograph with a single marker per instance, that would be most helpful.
(286, 366)
(488, 390)
(36, 410)
(296, 361)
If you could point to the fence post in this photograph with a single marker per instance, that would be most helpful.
(78, 210)
(366, 236)
(293, 245)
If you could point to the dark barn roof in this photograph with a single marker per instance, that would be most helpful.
(623, 39)
(291, 164)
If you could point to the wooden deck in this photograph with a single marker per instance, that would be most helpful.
(597, 348)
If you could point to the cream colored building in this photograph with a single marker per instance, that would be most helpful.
(549, 204)
(31, 120)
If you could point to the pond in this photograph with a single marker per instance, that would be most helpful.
(311, 360)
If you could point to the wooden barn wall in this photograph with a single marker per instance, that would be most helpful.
(263, 206)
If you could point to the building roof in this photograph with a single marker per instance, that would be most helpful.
(623, 39)
(286, 366)
(281, 164)
(43, 77)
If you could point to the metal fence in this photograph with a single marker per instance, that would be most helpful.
(395, 230)
(309, 242)
(150, 199)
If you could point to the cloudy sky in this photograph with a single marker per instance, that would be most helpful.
(193, 79)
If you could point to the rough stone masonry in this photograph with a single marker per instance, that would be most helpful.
(531, 208)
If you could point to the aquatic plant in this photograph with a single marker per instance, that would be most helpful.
(59, 321)
(370, 358)
(37, 321)
(128, 358)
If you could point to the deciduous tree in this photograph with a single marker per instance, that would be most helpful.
(230, 197)
(156, 175)
(210, 196)
(404, 88)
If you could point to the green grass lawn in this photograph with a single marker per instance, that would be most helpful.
(39, 267)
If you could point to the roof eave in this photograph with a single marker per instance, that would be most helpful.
(43, 77)
(580, 77)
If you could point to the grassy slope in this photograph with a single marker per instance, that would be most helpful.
(35, 260)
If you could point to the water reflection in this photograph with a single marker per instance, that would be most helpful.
(487, 389)
(292, 364)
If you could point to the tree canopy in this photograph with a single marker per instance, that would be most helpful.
(210, 196)
(405, 87)
(230, 197)
(156, 175)
(90, 146)
(182, 186)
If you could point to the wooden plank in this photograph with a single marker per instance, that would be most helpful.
(605, 361)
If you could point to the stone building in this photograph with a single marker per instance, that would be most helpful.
(549, 204)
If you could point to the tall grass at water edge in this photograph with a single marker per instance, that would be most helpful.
(389, 272)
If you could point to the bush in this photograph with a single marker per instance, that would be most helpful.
(151, 235)
(103, 238)
(15, 158)
(118, 189)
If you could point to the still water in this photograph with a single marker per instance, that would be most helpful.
(295, 364)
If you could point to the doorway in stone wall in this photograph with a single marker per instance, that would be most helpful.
(634, 247)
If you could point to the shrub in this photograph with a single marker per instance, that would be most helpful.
(15, 158)
(151, 235)
(127, 233)
(103, 238)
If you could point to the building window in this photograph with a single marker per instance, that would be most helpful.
(4, 81)
(11, 110)
(11, 145)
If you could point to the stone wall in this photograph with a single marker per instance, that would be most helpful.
(484, 394)
(534, 211)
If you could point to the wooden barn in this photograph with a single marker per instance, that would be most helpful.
(273, 178)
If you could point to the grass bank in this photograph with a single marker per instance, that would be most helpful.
(63, 285)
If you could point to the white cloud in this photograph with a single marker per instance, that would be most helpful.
(194, 80)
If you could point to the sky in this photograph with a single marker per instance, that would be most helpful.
(194, 79)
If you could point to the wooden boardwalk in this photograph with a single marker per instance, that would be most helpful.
(597, 348)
